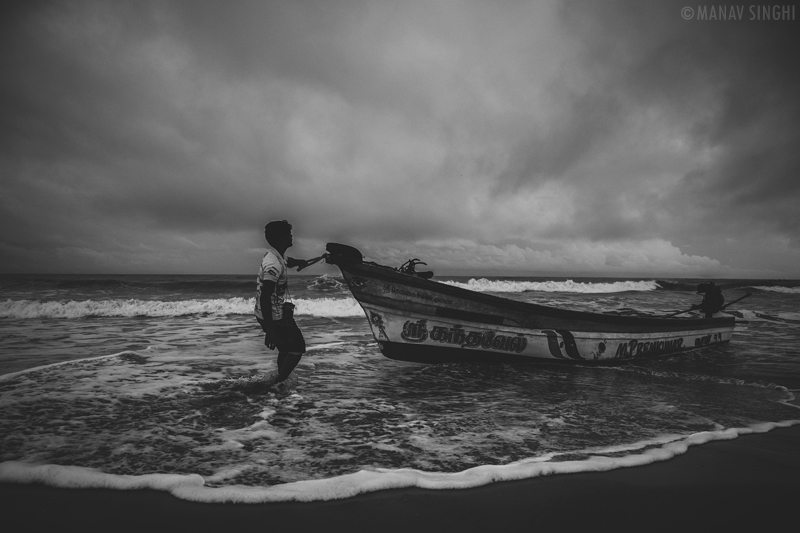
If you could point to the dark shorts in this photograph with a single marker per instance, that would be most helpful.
(290, 338)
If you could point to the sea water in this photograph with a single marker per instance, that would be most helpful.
(162, 382)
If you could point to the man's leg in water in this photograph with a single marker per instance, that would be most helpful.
(291, 349)
(286, 363)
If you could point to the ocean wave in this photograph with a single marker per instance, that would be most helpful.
(676, 285)
(486, 285)
(782, 286)
(328, 307)
(323, 307)
(777, 288)
(326, 283)
(133, 282)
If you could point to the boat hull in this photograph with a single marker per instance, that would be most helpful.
(420, 338)
(419, 320)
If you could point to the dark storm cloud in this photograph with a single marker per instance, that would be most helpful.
(302, 40)
(600, 137)
(90, 126)
(734, 83)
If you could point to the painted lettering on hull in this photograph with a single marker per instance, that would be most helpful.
(705, 340)
(635, 348)
(417, 331)
(561, 344)
(424, 296)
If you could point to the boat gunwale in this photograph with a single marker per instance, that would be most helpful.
(389, 274)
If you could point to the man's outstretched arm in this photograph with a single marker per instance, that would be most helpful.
(291, 262)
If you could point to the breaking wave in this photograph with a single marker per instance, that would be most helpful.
(486, 285)
(784, 290)
(323, 307)
(327, 283)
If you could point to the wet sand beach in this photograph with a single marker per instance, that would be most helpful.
(747, 482)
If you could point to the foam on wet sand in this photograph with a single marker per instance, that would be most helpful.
(746, 482)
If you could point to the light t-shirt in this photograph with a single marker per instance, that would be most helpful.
(273, 268)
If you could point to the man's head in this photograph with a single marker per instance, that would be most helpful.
(278, 234)
(705, 287)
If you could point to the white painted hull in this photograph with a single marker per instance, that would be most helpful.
(414, 331)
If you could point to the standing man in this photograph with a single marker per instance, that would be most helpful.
(275, 315)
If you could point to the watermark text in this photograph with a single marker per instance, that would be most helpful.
(779, 12)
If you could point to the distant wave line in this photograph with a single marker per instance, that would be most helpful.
(778, 288)
(325, 307)
(486, 285)
(782, 286)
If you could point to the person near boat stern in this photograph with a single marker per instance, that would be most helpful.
(712, 298)
(273, 312)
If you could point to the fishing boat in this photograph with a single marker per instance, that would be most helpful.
(414, 318)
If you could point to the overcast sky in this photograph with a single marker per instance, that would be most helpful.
(518, 137)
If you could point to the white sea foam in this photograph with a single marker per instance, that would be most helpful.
(485, 285)
(330, 307)
(754, 316)
(76, 477)
(327, 307)
(192, 487)
(122, 308)
(784, 290)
